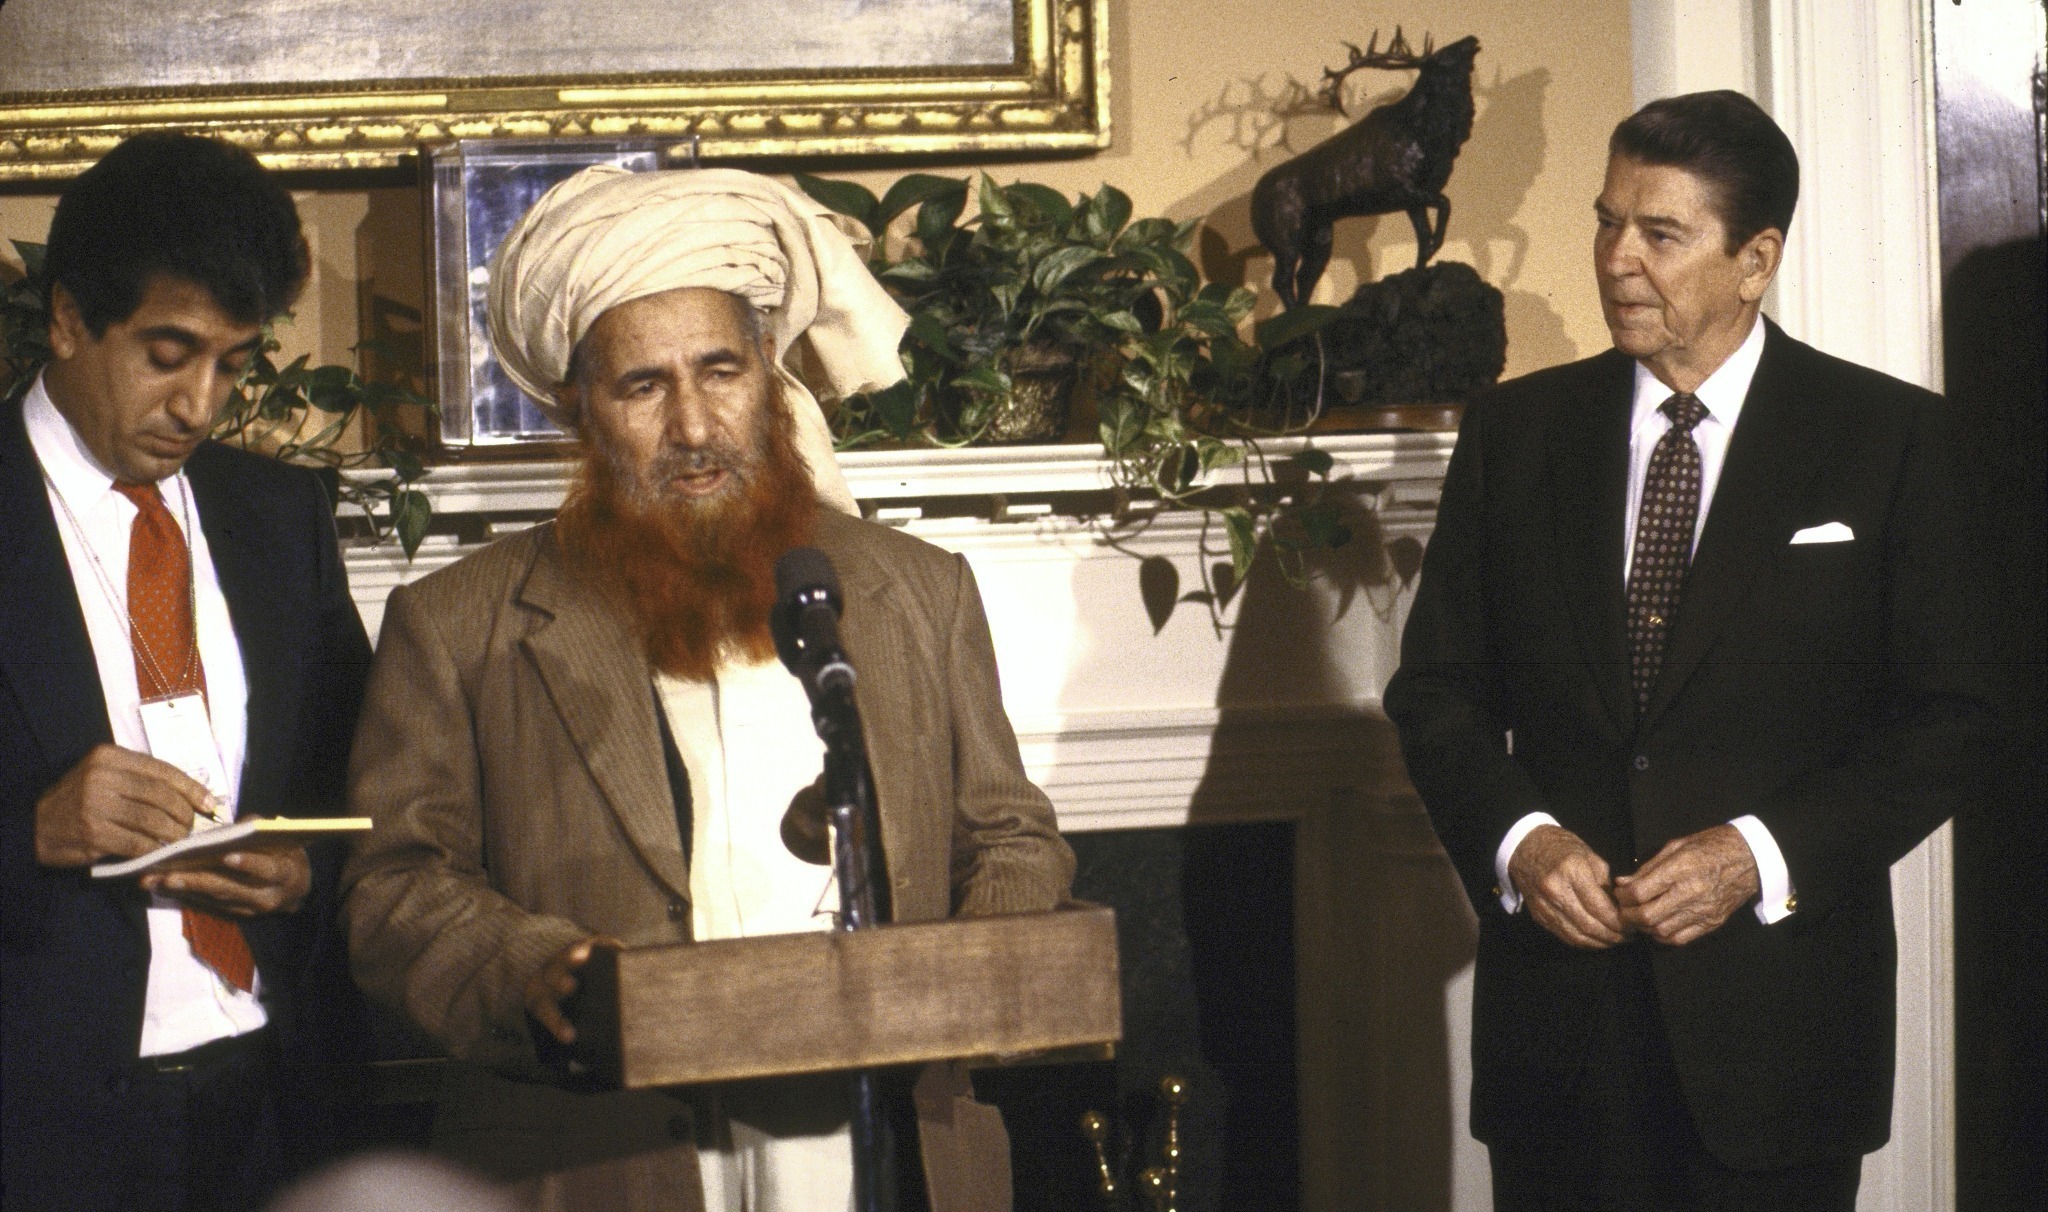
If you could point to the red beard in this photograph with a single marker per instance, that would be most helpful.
(696, 577)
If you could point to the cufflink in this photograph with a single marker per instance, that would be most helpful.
(1497, 892)
(1792, 903)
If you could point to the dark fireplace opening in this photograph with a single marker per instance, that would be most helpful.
(1205, 930)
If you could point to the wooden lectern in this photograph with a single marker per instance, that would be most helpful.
(991, 990)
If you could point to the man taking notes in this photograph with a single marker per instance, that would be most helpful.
(1692, 663)
(179, 644)
(582, 732)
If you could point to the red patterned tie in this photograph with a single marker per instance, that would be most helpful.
(167, 663)
(1663, 550)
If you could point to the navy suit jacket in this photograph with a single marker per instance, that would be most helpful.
(1837, 691)
(74, 951)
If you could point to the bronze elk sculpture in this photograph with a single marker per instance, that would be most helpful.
(1396, 158)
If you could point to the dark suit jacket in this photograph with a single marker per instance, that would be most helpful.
(1834, 690)
(74, 951)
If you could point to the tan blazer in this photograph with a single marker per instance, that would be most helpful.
(511, 757)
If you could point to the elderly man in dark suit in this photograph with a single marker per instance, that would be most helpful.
(176, 642)
(1692, 663)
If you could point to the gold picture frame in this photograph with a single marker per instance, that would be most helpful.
(1051, 95)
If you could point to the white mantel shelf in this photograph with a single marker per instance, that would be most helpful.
(892, 476)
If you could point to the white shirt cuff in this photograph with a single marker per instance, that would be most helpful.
(1504, 887)
(1775, 901)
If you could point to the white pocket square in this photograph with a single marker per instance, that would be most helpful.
(1831, 532)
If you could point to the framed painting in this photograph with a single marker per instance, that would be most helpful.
(361, 83)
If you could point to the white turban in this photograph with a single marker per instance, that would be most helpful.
(607, 236)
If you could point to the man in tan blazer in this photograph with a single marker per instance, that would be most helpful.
(558, 724)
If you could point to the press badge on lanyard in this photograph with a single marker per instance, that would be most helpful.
(180, 733)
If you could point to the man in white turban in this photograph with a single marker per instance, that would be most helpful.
(580, 735)
(608, 236)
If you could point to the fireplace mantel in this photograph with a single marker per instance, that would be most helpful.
(1248, 708)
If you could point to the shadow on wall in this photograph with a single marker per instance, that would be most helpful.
(1271, 119)
(1381, 925)
(1499, 166)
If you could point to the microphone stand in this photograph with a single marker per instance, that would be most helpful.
(863, 904)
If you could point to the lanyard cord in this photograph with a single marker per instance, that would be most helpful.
(119, 601)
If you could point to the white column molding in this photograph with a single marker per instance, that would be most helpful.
(1853, 86)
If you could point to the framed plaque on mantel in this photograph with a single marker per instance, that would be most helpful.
(476, 189)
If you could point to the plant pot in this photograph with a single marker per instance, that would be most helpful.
(1041, 397)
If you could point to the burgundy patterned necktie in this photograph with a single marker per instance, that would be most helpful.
(1663, 550)
(167, 663)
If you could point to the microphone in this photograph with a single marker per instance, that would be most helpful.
(806, 622)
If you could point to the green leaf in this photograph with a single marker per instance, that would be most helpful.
(936, 217)
(1205, 316)
(405, 464)
(1122, 321)
(331, 388)
(929, 331)
(910, 269)
(1243, 534)
(1218, 454)
(895, 407)
(915, 190)
(1057, 268)
(1006, 295)
(995, 205)
(846, 197)
(31, 258)
(1177, 274)
(990, 379)
(1041, 203)
(974, 417)
(410, 513)
(1122, 422)
(1146, 233)
(1238, 303)
(1107, 212)
(1294, 324)
(1315, 462)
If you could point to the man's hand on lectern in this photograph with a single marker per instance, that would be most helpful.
(556, 981)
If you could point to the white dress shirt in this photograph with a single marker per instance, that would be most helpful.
(1721, 395)
(186, 1003)
(746, 740)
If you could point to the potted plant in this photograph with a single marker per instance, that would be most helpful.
(1012, 306)
(1033, 288)
(271, 410)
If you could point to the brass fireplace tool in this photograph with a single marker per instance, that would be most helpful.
(1158, 1186)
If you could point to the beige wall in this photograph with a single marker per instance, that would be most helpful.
(1207, 96)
